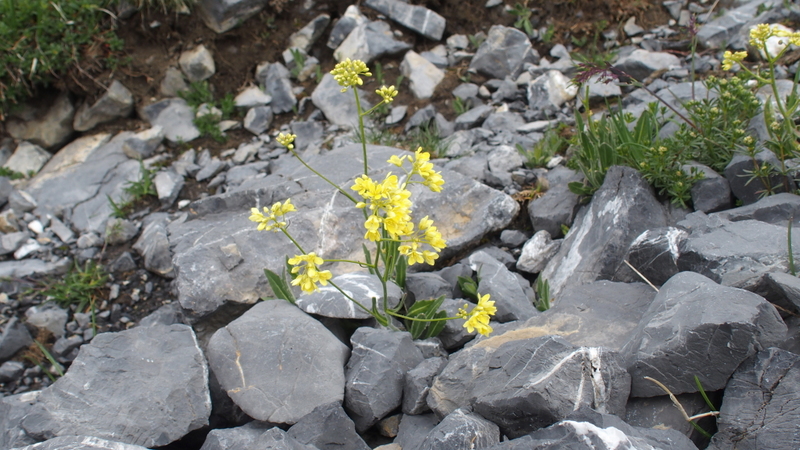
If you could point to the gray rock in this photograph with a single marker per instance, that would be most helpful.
(88, 240)
(464, 212)
(49, 126)
(503, 53)
(351, 18)
(21, 202)
(15, 337)
(221, 16)
(27, 158)
(473, 118)
(537, 252)
(50, 317)
(725, 28)
(327, 427)
(339, 107)
(586, 428)
(13, 409)
(277, 439)
(168, 186)
(416, 18)
(436, 56)
(119, 231)
(696, 326)
(278, 86)
(305, 37)
(421, 118)
(511, 301)
(423, 76)
(712, 193)
(258, 119)
(242, 437)
(5, 190)
(65, 349)
(175, 117)
(513, 238)
(620, 210)
(329, 302)
(252, 96)
(782, 289)
(654, 254)
(173, 83)
(747, 189)
(61, 230)
(81, 443)
(426, 286)
(370, 41)
(660, 412)
(642, 63)
(498, 378)
(396, 115)
(734, 254)
(115, 103)
(27, 267)
(454, 335)
(503, 160)
(758, 409)
(11, 242)
(413, 430)
(462, 429)
(243, 355)
(417, 382)
(375, 373)
(153, 247)
(11, 370)
(776, 209)
(142, 145)
(308, 133)
(599, 90)
(549, 91)
(459, 144)
(197, 64)
(114, 373)
(508, 121)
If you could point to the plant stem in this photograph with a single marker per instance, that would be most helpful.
(361, 130)
(342, 191)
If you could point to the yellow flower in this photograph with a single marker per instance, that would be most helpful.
(387, 93)
(729, 59)
(427, 234)
(478, 318)
(269, 219)
(309, 274)
(421, 166)
(348, 73)
(397, 160)
(759, 34)
(389, 204)
(286, 140)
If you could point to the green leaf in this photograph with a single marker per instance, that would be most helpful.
(703, 393)
(468, 287)
(400, 271)
(434, 328)
(279, 286)
(368, 259)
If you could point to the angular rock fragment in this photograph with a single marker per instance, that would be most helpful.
(117, 102)
(462, 429)
(327, 427)
(417, 18)
(503, 53)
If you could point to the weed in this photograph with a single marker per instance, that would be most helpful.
(542, 294)
(691, 419)
(469, 286)
(79, 287)
(144, 186)
(475, 40)
(199, 92)
(543, 151)
(299, 59)
(427, 137)
(228, 106)
(11, 174)
(378, 136)
(119, 210)
(459, 107)
(378, 73)
(523, 21)
(49, 356)
(208, 125)
(548, 34)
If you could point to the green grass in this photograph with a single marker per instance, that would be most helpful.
(199, 93)
(136, 190)
(42, 39)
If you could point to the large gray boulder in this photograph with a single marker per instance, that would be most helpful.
(461, 429)
(417, 18)
(330, 302)
(339, 107)
(697, 327)
(49, 125)
(375, 373)
(143, 386)
(81, 443)
(620, 210)
(325, 222)
(501, 284)
(523, 383)
(175, 117)
(328, 427)
(277, 363)
(117, 102)
(760, 406)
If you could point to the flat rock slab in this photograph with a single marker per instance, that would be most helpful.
(523, 384)
(329, 302)
(325, 222)
(760, 408)
(81, 443)
(143, 386)
(697, 327)
(81, 177)
(416, 18)
(277, 363)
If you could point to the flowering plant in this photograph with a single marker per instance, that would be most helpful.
(399, 241)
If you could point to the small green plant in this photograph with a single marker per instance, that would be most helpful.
(475, 40)
(119, 210)
(469, 287)
(691, 419)
(426, 136)
(199, 92)
(396, 242)
(165, 5)
(80, 287)
(543, 151)
(144, 186)
(792, 269)
(11, 174)
(208, 125)
(523, 14)
(459, 107)
(379, 73)
(549, 34)
(542, 294)
(299, 59)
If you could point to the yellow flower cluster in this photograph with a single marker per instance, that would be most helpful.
(421, 166)
(286, 140)
(348, 73)
(387, 93)
(269, 219)
(426, 234)
(763, 31)
(478, 318)
(390, 206)
(729, 59)
(308, 274)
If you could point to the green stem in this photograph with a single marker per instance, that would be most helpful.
(400, 316)
(361, 131)
(368, 112)
(296, 244)
(351, 298)
(342, 191)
